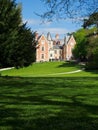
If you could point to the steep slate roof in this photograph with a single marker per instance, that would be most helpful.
(61, 41)
(57, 47)
(49, 38)
(66, 39)
(41, 36)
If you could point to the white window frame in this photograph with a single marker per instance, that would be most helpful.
(43, 42)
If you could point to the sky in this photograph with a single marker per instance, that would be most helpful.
(61, 27)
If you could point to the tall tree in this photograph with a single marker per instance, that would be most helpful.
(14, 36)
(79, 51)
(87, 47)
(92, 41)
(22, 52)
(9, 24)
(92, 52)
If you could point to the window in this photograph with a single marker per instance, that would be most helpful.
(55, 52)
(60, 52)
(42, 48)
(42, 56)
(50, 55)
(42, 42)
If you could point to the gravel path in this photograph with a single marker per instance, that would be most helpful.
(6, 68)
(66, 72)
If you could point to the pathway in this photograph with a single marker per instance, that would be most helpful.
(76, 71)
(6, 68)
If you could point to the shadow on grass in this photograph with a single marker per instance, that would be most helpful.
(70, 64)
(92, 71)
(49, 103)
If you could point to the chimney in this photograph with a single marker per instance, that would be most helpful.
(57, 36)
(36, 36)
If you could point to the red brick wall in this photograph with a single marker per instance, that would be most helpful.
(64, 52)
(42, 43)
(70, 46)
(67, 49)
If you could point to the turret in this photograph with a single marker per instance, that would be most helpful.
(57, 36)
(49, 38)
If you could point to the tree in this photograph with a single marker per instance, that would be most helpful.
(15, 37)
(22, 52)
(92, 41)
(9, 24)
(79, 51)
(83, 39)
(92, 52)
(69, 8)
(92, 20)
(86, 48)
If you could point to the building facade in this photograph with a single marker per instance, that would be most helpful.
(48, 49)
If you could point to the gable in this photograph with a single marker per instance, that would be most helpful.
(71, 41)
(42, 37)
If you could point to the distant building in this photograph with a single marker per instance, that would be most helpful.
(48, 49)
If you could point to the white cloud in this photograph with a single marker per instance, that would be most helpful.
(53, 30)
(44, 28)
(35, 22)
(76, 19)
(31, 21)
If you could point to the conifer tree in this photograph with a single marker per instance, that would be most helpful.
(15, 37)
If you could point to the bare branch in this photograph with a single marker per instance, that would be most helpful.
(57, 9)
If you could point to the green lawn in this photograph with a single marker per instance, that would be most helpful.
(42, 69)
(49, 103)
(49, 69)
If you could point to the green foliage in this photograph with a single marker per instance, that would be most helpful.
(92, 20)
(92, 53)
(15, 38)
(23, 49)
(92, 48)
(86, 47)
(9, 22)
(79, 51)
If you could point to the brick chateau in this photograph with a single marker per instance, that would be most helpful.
(57, 49)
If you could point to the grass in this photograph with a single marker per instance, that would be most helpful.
(42, 69)
(47, 69)
(49, 103)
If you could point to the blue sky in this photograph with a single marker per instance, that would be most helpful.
(34, 22)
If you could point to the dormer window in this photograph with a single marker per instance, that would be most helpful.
(43, 42)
